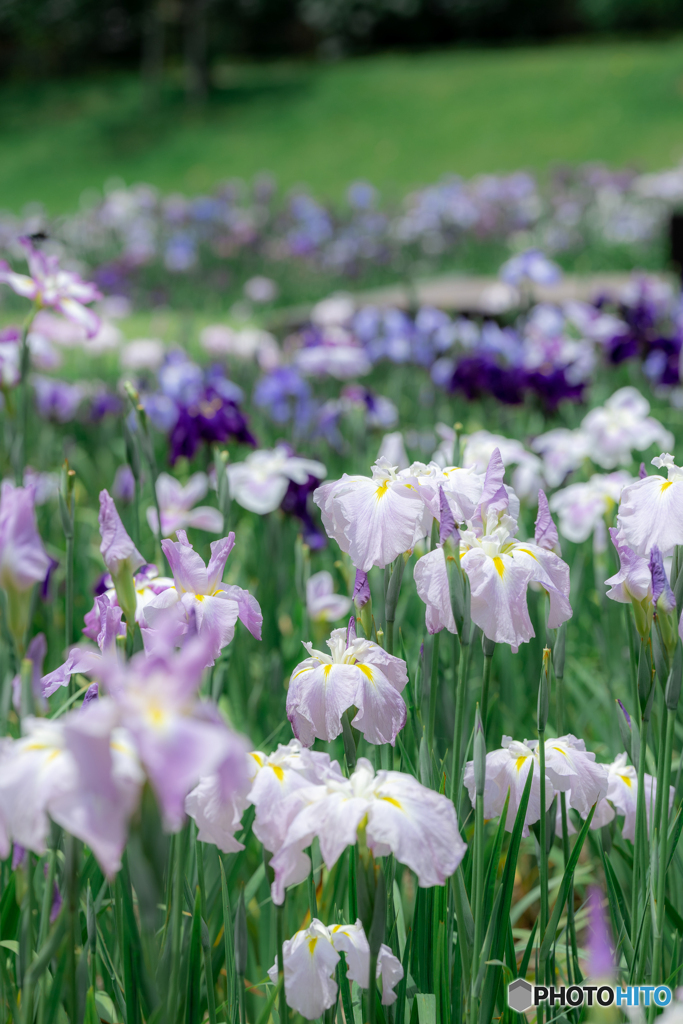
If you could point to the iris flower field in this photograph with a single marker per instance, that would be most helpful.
(340, 657)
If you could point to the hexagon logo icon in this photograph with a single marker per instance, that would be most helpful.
(520, 995)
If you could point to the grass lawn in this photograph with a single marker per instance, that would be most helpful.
(396, 120)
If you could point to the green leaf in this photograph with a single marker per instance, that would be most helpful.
(492, 871)
(91, 1015)
(490, 988)
(400, 919)
(106, 1009)
(254, 883)
(194, 967)
(12, 945)
(426, 1008)
(228, 938)
(524, 966)
(675, 835)
(270, 1003)
(549, 937)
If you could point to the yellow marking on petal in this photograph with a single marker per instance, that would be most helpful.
(279, 774)
(667, 483)
(366, 670)
(259, 762)
(326, 670)
(498, 562)
(525, 551)
(312, 943)
(519, 763)
(199, 597)
(560, 750)
(626, 779)
(390, 800)
(382, 489)
(300, 672)
(156, 714)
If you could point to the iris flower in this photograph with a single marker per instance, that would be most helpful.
(357, 673)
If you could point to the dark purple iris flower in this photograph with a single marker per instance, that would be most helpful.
(296, 503)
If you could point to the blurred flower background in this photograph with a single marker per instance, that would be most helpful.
(347, 326)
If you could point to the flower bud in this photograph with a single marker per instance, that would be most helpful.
(120, 555)
(459, 586)
(220, 462)
(664, 602)
(642, 611)
(544, 692)
(624, 720)
(479, 755)
(447, 527)
(487, 646)
(645, 681)
(363, 601)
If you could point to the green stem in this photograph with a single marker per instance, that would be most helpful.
(71, 869)
(433, 689)
(559, 705)
(638, 838)
(478, 889)
(177, 923)
(372, 989)
(27, 991)
(312, 902)
(660, 766)
(663, 782)
(485, 683)
(389, 637)
(459, 718)
(543, 860)
(47, 899)
(282, 1004)
(206, 948)
(571, 928)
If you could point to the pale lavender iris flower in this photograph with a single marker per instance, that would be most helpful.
(179, 739)
(176, 504)
(200, 599)
(48, 285)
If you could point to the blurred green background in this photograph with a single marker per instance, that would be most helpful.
(184, 95)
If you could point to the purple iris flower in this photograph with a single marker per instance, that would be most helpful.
(56, 399)
(297, 504)
(203, 407)
(285, 395)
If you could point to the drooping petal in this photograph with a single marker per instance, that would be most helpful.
(545, 532)
(309, 962)
(318, 696)
(418, 825)
(547, 569)
(23, 559)
(431, 581)
(651, 512)
(117, 549)
(634, 579)
(248, 608)
(381, 708)
(498, 596)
